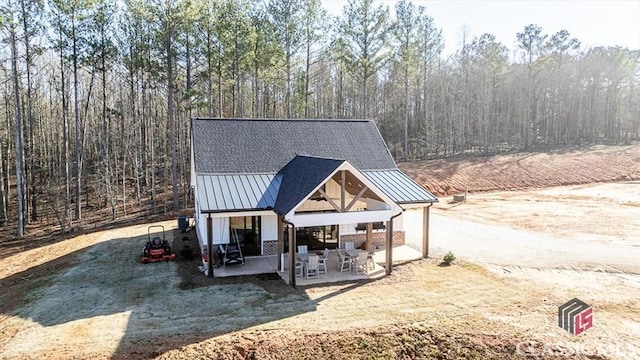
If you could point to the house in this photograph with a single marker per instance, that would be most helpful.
(269, 185)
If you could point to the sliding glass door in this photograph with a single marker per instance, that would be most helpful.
(246, 230)
(317, 238)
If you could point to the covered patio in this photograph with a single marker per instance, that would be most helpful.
(269, 264)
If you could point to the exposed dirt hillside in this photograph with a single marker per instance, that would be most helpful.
(527, 170)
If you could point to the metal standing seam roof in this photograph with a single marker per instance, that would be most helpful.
(245, 192)
(399, 187)
(237, 192)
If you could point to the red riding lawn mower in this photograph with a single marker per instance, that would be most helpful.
(156, 249)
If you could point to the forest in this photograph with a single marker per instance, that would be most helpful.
(97, 95)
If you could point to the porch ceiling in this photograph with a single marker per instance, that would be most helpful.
(352, 217)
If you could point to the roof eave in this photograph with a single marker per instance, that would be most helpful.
(417, 202)
(235, 210)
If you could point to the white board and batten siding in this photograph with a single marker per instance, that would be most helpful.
(220, 230)
(413, 224)
(269, 227)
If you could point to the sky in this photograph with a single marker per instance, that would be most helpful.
(592, 22)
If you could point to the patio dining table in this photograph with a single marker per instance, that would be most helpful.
(353, 254)
(303, 257)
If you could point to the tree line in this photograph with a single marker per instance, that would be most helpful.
(96, 95)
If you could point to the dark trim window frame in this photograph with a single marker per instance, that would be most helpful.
(376, 226)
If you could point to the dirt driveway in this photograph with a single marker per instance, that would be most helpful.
(595, 226)
(105, 304)
(503, 245)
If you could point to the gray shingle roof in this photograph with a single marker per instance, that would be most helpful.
(299, 177)
(228, 146)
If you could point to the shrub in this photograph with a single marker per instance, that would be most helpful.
(448, 258)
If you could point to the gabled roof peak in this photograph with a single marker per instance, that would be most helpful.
(319, 157)
(301, 175)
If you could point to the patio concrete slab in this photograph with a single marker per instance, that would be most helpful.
(269, 264)
(334, 274)
(400, 254)
(252, 266)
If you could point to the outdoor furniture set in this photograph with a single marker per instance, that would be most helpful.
(311, 265)
(350, 259)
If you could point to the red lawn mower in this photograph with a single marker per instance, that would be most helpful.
(156, 249)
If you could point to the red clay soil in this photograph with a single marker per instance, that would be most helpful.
(527, 170)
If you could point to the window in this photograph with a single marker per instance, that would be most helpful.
(315, 237)
(376, 226)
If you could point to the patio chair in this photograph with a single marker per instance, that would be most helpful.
(299, 267)
(299, 264)
(345, 260)
(323, 261)
(370, 259)
(313, 267)
(361, 263)
(302, 249)
(349, 245)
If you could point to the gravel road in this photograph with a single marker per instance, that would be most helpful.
(501, 245)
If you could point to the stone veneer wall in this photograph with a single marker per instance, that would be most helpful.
(270, 247)
(377, 238)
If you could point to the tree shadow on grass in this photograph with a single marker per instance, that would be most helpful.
(145, 308)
